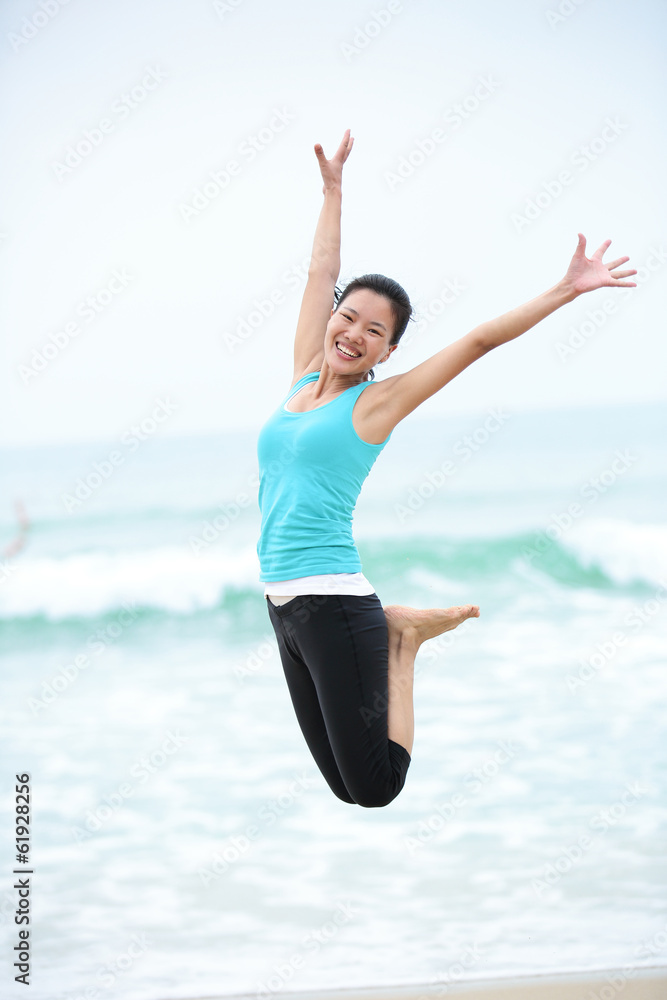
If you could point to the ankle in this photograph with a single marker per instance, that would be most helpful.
(405, 642)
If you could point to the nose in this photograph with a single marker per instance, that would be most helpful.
(355, 333)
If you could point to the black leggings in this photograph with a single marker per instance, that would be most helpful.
(335, 653)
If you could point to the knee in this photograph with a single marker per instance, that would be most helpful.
(345, 798)
(376, 798)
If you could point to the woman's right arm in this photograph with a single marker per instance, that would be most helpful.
(324, 266)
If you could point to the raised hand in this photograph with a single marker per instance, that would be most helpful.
(587, 273)
(332, 170)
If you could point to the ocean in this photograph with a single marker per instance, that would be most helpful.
(183, 842)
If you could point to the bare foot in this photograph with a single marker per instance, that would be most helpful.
(416, 625)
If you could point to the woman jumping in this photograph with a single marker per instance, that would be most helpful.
(349, 661)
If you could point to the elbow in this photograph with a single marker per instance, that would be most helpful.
(483, 345)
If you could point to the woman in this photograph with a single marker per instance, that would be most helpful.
(349, 661)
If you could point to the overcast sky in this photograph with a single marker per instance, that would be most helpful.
(486, 136)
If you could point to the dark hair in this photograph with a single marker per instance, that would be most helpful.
(401, 308)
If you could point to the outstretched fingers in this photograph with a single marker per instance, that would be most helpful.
(341, 153)
(601, 250)
(624, 274)
(346, 144)
(616, 274)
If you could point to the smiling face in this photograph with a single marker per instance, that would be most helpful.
(362, 325)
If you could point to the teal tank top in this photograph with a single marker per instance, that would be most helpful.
(311, 469)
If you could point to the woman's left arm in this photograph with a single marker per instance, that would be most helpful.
(401, 394)
(583, 275)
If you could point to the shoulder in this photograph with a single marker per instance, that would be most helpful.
(374, 417)
(380, 393)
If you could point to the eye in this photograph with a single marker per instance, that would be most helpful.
(347, 316)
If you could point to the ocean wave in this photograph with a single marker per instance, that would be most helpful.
(623, 551)
(168, 578)
(173, 579)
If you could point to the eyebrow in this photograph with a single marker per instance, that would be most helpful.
(374, 322)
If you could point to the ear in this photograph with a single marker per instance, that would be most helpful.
(392, 348)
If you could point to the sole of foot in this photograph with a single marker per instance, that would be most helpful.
(419, 624)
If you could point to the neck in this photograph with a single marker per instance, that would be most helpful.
(333, 382)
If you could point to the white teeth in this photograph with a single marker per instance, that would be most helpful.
(347, 353)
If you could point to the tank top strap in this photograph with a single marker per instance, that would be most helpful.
(308, 377)
(351, 395)
(346, 400)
